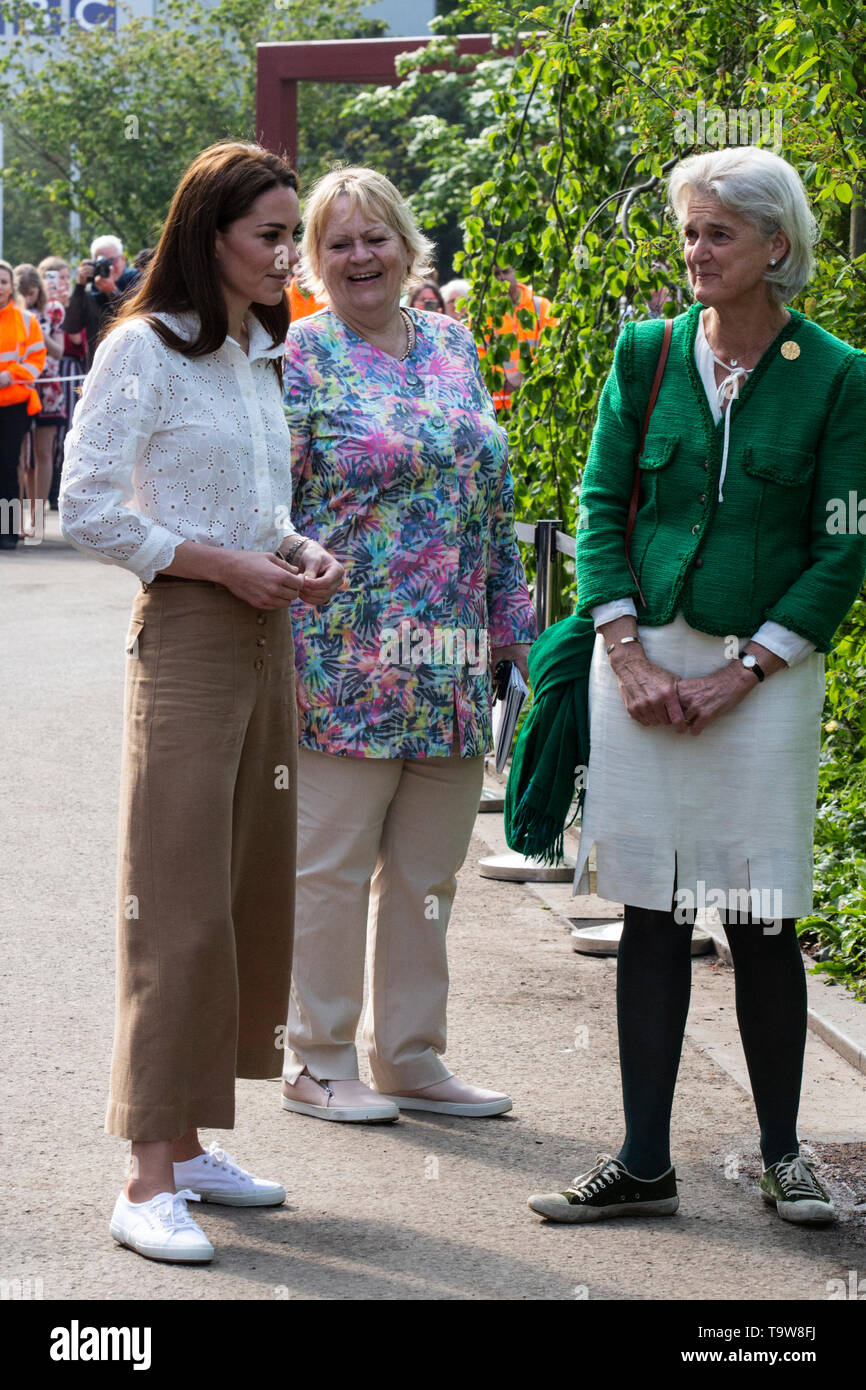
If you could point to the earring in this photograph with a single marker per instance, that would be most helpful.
(772, 260)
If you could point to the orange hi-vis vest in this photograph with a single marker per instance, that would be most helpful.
(300, 304)
(22, 354)
(539, 308)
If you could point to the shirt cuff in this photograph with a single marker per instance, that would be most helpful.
(617, 608)
(156, 554)
(788, 645)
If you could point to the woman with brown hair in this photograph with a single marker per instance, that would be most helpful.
(427, 296)
(37, 460)
(178, 468)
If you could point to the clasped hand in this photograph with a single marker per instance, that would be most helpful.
(321, 574)
(653, 695)
(268, 581)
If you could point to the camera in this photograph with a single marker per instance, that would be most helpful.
(102, 268)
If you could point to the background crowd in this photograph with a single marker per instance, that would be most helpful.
(51, 320)
(49, 329)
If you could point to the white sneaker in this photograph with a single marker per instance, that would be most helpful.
(161, 1228)
(215, 1177)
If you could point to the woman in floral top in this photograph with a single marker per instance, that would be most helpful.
(401, 470)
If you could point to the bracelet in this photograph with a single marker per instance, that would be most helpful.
(291, 552)
(622, 642)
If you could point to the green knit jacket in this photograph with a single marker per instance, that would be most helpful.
(774, 548)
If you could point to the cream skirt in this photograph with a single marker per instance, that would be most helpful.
(723, 815)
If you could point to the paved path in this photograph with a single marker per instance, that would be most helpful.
(430, 1208)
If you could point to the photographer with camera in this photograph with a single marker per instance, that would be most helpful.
(108, 278)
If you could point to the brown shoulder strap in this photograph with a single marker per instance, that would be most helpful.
(635, 490)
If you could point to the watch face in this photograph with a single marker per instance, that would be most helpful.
(748, 659)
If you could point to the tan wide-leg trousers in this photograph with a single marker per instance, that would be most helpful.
(380, 841)
(206, 872)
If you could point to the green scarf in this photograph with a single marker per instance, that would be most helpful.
(553, 742)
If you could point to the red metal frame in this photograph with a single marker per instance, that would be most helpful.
(281, 66)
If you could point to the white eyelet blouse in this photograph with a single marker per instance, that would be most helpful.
(165, 448)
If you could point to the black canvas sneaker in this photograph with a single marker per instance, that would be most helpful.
(609, 1189)
(791, 1186)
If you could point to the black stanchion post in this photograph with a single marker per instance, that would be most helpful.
(548, 583)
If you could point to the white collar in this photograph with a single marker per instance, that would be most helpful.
(723, 393)
(186, 324)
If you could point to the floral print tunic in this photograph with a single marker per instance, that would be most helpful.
(51, 395)
(400, 469)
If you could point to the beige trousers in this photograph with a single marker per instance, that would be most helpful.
(380, 841)
(206, 869)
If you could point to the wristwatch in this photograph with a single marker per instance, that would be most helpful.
(751, 664)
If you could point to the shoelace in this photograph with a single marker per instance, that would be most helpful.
(218, 1156)
(173, 1213)
(797, 1179)
(605, 1171)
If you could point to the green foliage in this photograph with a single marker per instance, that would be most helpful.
(839, 923)
(429, 135)
(573, 195)
(107, 127)
(594, 117)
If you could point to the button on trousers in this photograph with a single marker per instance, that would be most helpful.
(380, 841)
(206, 874)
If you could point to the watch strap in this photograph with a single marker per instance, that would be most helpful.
(752, 664)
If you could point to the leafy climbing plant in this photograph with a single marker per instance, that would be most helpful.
(603, 100)
(602, 103)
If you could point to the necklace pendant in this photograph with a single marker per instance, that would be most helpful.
(734, 361)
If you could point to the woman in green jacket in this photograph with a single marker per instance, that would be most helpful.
(707, 678)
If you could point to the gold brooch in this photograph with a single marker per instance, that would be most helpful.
(791, 350)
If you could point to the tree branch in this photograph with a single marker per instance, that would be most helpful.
(637, 77)
(19, 134)
(840, 251)
(514, 144)
(633, 194)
